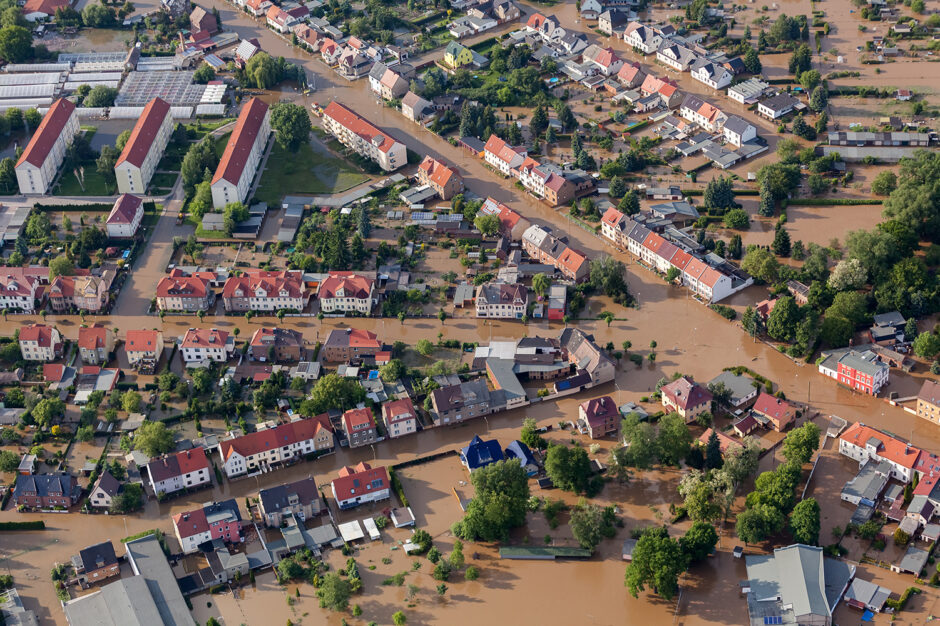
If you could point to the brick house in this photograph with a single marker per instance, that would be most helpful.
(601, 416)
(95, 344)
(399, 417)
(98, 562)
(443, 179)
(276, 344)
(359, 426)
(345, 344)
(104, 491)
(862, 371)
(687, 398)
(45, 491)
(458, 403)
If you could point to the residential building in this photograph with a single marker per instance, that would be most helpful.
(519, 451)
(442, 178)
(631, 75)
(867, 486)
(611, 21)
(125, 217)
(387, 83)
(725, 443)
(97, 563)
(777, 106)
(862, 371)
(456, 55)
(580, 349)
(711, 74)
(928, 401)
(95, 344)
(181, 292)
(81, 292)
(103, 492)
(41, 10)
(687, 398)
(181, 470)
(749, 91)
(276, 344)
(284, 443)
(479, 453)
(39, 342)
(869, 138)
(511, 224)
(259, 290)
(347, 292)
(742, 388)
(458, 403)
(665, 89)
(772, 411)
(359, 426)
(642, 38)
(738, 131)
(676, 56)
(496, 300)
(360, 485)
(144, 349)
(144, 149)
(558, 190)
(506, 12)
(795, 585)
(215, 520)
(600, 416)
(46, 491)
(416, 108)
(359, 135)
(503, 157)
(279, 19)
(703, 113)
(243, 153)
(19, 288)
(37, 167)
(799, 291)
(864, 444)
(604, 59)
(206, 344)
(300, 498)
(399, 417)
(345, 344)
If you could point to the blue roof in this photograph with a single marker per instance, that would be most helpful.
(481, 453)
(518, 450)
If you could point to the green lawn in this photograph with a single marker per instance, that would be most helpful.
(95, 184)
(312, 170)
(163, 181)
(220, 143)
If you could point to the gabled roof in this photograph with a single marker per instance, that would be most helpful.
(125, 209)
(97, 556)
(47, 7)
(239, 145)
(398, 411)
(141, 340)
(437, 172)
(360, 479)
(278, 498)
(353, 286)
(887, 446)
(355, 419)
(359, 125)
(177, 464)
(182, 287)
(145, 132)
(204, 338)
(107, 483)
(39, 333)
(49, 129)
(92, 337)
(271, 438)
(353, 338)
(686, 393)
(597, 410)
(271, 283)
(480, 453)
(930, 392)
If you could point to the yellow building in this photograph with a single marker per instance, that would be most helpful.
(457, 56)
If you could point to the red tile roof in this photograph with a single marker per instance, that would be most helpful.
(125, 209)
(710, 277)
(680, 259)
(653, 242)
(892, 449)
(16, 282)
(44, 6)
(597, 410)
(359, 125)
(502, 150)
(177, 464)
(92, 337)
(240, 143)
(437, 172)
(724, 441)
(629, 71)
(141, 340)
(353, 285)
(355, 418)
(695, 267)
(773, 408)
(359, 478)
(49, 129)
(37, 332)
(612, 217)
(191, 523)
(176, 286)
(398, 411)
(272, 283)
(271, 438)
(204, 338)
(571, 260)
(145, 131)
(686, 393)
(52, 372)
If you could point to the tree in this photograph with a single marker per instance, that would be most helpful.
(291, 123)
(607, 316)
(399, 618)
(737, 219)
(530, 436)
(719, 193)
(704, 495)
(804, 522)
(713, 451)
(204, 73)
(7, 175)
(848, 274)
(926, 345)
(569, 468)
(47, 410)
(200, 158)
(819, 100)
(884, 183)
(781, 243)
(488, 225)
(639, 439)
(658, 561)
(810, 79)
(800, 61)
(630, 203)
(587, 525)
(100, 96)
(541, 284)
(261, 71)
(766, 207)
(392, 371)
(739, 463)
(9, 461)
(698, 542)
(424, 347)
(781, 323)
(673, 440)
(154, 439)
(800, 444)
(130, 401)
(617, 187)
(757, 523)
(539, 121)
(129, 499)
(836, 331)
(851, 305)
(61, 266)
(499, 504)
(16, 44)
(752, 61)
(334, 592)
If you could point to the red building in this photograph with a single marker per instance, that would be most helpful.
(600, 415)
(215, 520)
(862, 372)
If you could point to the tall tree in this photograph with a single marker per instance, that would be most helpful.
(804, 522)
(500, 502)
(713, 451)
(658, 561)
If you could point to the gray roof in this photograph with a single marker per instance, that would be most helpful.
(870, 481)
(278, 498)
(866, 362)
(505, 378)
(125, 602)
(913, 561)
(868, 593)
(149, 562)
(780, 102)
(739, 386)
(737, 125)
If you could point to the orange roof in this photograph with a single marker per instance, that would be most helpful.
(239, 145)
(359, 338)
(894, 450)
(629, 71)
(182, 287)
(680, 259)
(271, 438)
(125, 209)
(502, 150)
(571, 260)
(272, 283)
(353, 286)
(612, 217)
(47, 7)
(49, 129)
(359, 125)
(141, 340)
(437, 172)
(353, 419)
(708, 111)
(145, 131)
(695, 268)
(204, 338)
(39, 333)
(710, 277)
(92, 337)
(653, 242)
(724, 441)
(398, 410)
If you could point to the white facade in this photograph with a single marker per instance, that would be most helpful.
(346, 305)
(32, 351)
(737, 136)
(100, 498)
(183, 481)
(35, 180)
(224, 191)
(133, 179)
(215, 353)
(712, 75)
(868, 453)
(377, 148)
(238, 464)
(361, 498)
(191, 544)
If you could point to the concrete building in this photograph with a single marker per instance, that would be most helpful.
(39, 342)
(19, 288)
(300, 498)
(458, 403)
(276, 344)
(360, 485)
(37, 167)
(103, 492)
(144, 149)
(243, 154)
(347, 292)
(359, 426)
(181, 292)
(204, 344)
(400, 417)
(82, 292)
(362, 137)
(928, 401)
(125, 217)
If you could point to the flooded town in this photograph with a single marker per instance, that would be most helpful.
(425, 312)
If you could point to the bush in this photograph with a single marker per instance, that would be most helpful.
(38, 525)
(472, 573)
(723, 310)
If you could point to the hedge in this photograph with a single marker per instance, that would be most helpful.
(396, 486)
(142, 534)
(99, 206)
(833, 201)
(40, 525)
(898, 604)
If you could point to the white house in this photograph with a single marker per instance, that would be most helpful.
(143, 151)
(749, 91)
(39, 342)
(675, 56)
(182, 470)
(104, 491)
(501, 300)
(125, 217)
(711, 74)
(737, 130)
(362, 137)
(40, 161)
(18, 289)
(345, 292)
(243, 154)
(777, 106)
(503, 157)
(268, 447)
(360, 485)
(604, 59)
(200, 345)
(863, 444)
(641, 37)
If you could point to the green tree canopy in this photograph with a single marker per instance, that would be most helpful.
(804, 522)
(291, 122)
(658, 560)
(154, 439)
(501, 496)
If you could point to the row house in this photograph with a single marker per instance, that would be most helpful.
(81, 292)
(497, 300)
(343, 345)
(666, 89)
(362, 137)
(98, 562)
(256, 7)
(593, 363)
(214, 520)
(46, 491)
(276, 344)
(143, 349)
(711, 74)
(300, 499)
(37, 166)
(259, 290)
(643, 38)
(442, 178)
(359, 426)
(284, 443)
(19, 289)
(604, 59)
(502, 156)
(361, 484)
(416, 108)
(387, 83)
(242, 156)
(347, 292)
(280, 20)
(457, 403)
(179, 291)
(399, 417)
(125, 217)
(862, 371)
(144, 149)
(182, 470)
(675, 56)
(705, 114)
(201, 345)
(95, 344)
(39, 342)
(544, 247)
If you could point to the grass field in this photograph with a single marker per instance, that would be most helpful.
(220, 143)
(163, 180)
(95, 184)
(312, 170)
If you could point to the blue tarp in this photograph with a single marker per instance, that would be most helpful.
(868, 616)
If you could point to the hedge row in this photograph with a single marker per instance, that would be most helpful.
(98, 206)
(40, 525)
(833, 201)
